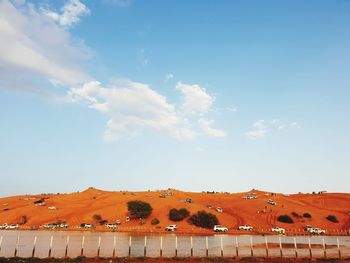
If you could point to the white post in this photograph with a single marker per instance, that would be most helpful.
(266, 247)
(16, 248)
(280, 242)
(0, 242)
(34, 245)
(161, 246)
(222, 246)
(206, 246)
(338, 245)
(50, 247)
(114, 245)
(191, 246)
(145, 247)
(129, 246)
(251, 246)
(295, 247)
(175, 246)
(82, 246)
(310, 250)
(66, 250)
(237, 246)
(324, 248)
(98, 246)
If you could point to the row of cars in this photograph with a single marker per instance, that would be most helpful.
(7, 226)
(314, 230)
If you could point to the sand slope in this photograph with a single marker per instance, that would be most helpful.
(80, 207)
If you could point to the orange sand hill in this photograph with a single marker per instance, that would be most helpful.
(77, 208)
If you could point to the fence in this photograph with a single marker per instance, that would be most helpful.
(65, 245)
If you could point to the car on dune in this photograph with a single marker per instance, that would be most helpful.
(171, 228)
(317, 231)
(219, 209)
(271, 202)
(279, 230)
(246, 228)
(4, 226)
(111, 225)
(219, 228)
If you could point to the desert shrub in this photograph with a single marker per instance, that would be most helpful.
(332, 218)
(307, 215)
(178, 215)
(139, 209)
(97, 217)
(155, 221)
(204, 219)
(296, 215)
(23, 220)
(285, 219)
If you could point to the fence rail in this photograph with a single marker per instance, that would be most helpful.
(63, 245)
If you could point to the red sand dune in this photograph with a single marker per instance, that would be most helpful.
(80, 207)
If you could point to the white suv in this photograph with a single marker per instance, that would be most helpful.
(317, 231)
(218, 228)
(171, 228)
(245, 227)
(279, 230)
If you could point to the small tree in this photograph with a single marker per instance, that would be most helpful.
(285, 219)
(155, 221)
(139, 209)
(204, 219)
(332, 218)
(178, 215)
(307, 215)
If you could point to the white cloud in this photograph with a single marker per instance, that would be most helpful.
(119, 3)
(133, 106)
(196, 100)
(206, 126)
(70, 13)
(258, 131)
(33, 49)
(231, 109)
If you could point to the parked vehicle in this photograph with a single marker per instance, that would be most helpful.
(210, 206)
(245, 227)
(4, 226)
(250, 197)
(127, 219)
(85, 225)
(14, 226)
(279, 230)
(219, 209)
(219, 228)
(271, 202)
(171, 228)
(307, 227)
(111, 225)
(317, 231)
(118, 222)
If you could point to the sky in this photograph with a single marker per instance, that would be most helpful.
(193, 95)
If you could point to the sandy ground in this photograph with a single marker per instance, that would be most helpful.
(76, 208)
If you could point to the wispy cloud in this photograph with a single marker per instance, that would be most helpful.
(118, 3)
(133, 106)
(33, 49)
(258, 130)
(70, 13)
(232, 109)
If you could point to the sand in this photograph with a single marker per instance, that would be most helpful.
(76, 208)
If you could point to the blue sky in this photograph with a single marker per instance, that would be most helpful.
(195, 95)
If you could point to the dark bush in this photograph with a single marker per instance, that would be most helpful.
(204, 219)
(332, 218)
(307, 215)
(139, 209)
(296, 215)
(285, 219)
(24, 220)
(178, 215)
(155, 221)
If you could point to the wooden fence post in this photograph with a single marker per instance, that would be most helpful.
(129, 246)
(66, 250)
(16, 248)
(191, 240)
(34, 245)
(295, 247)
(98, 246)
(0, 242)
(338, 246)
(161, 246)
(114, 245)
(266, 247)
(50, 247)
(145, 247)
(206, 247)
